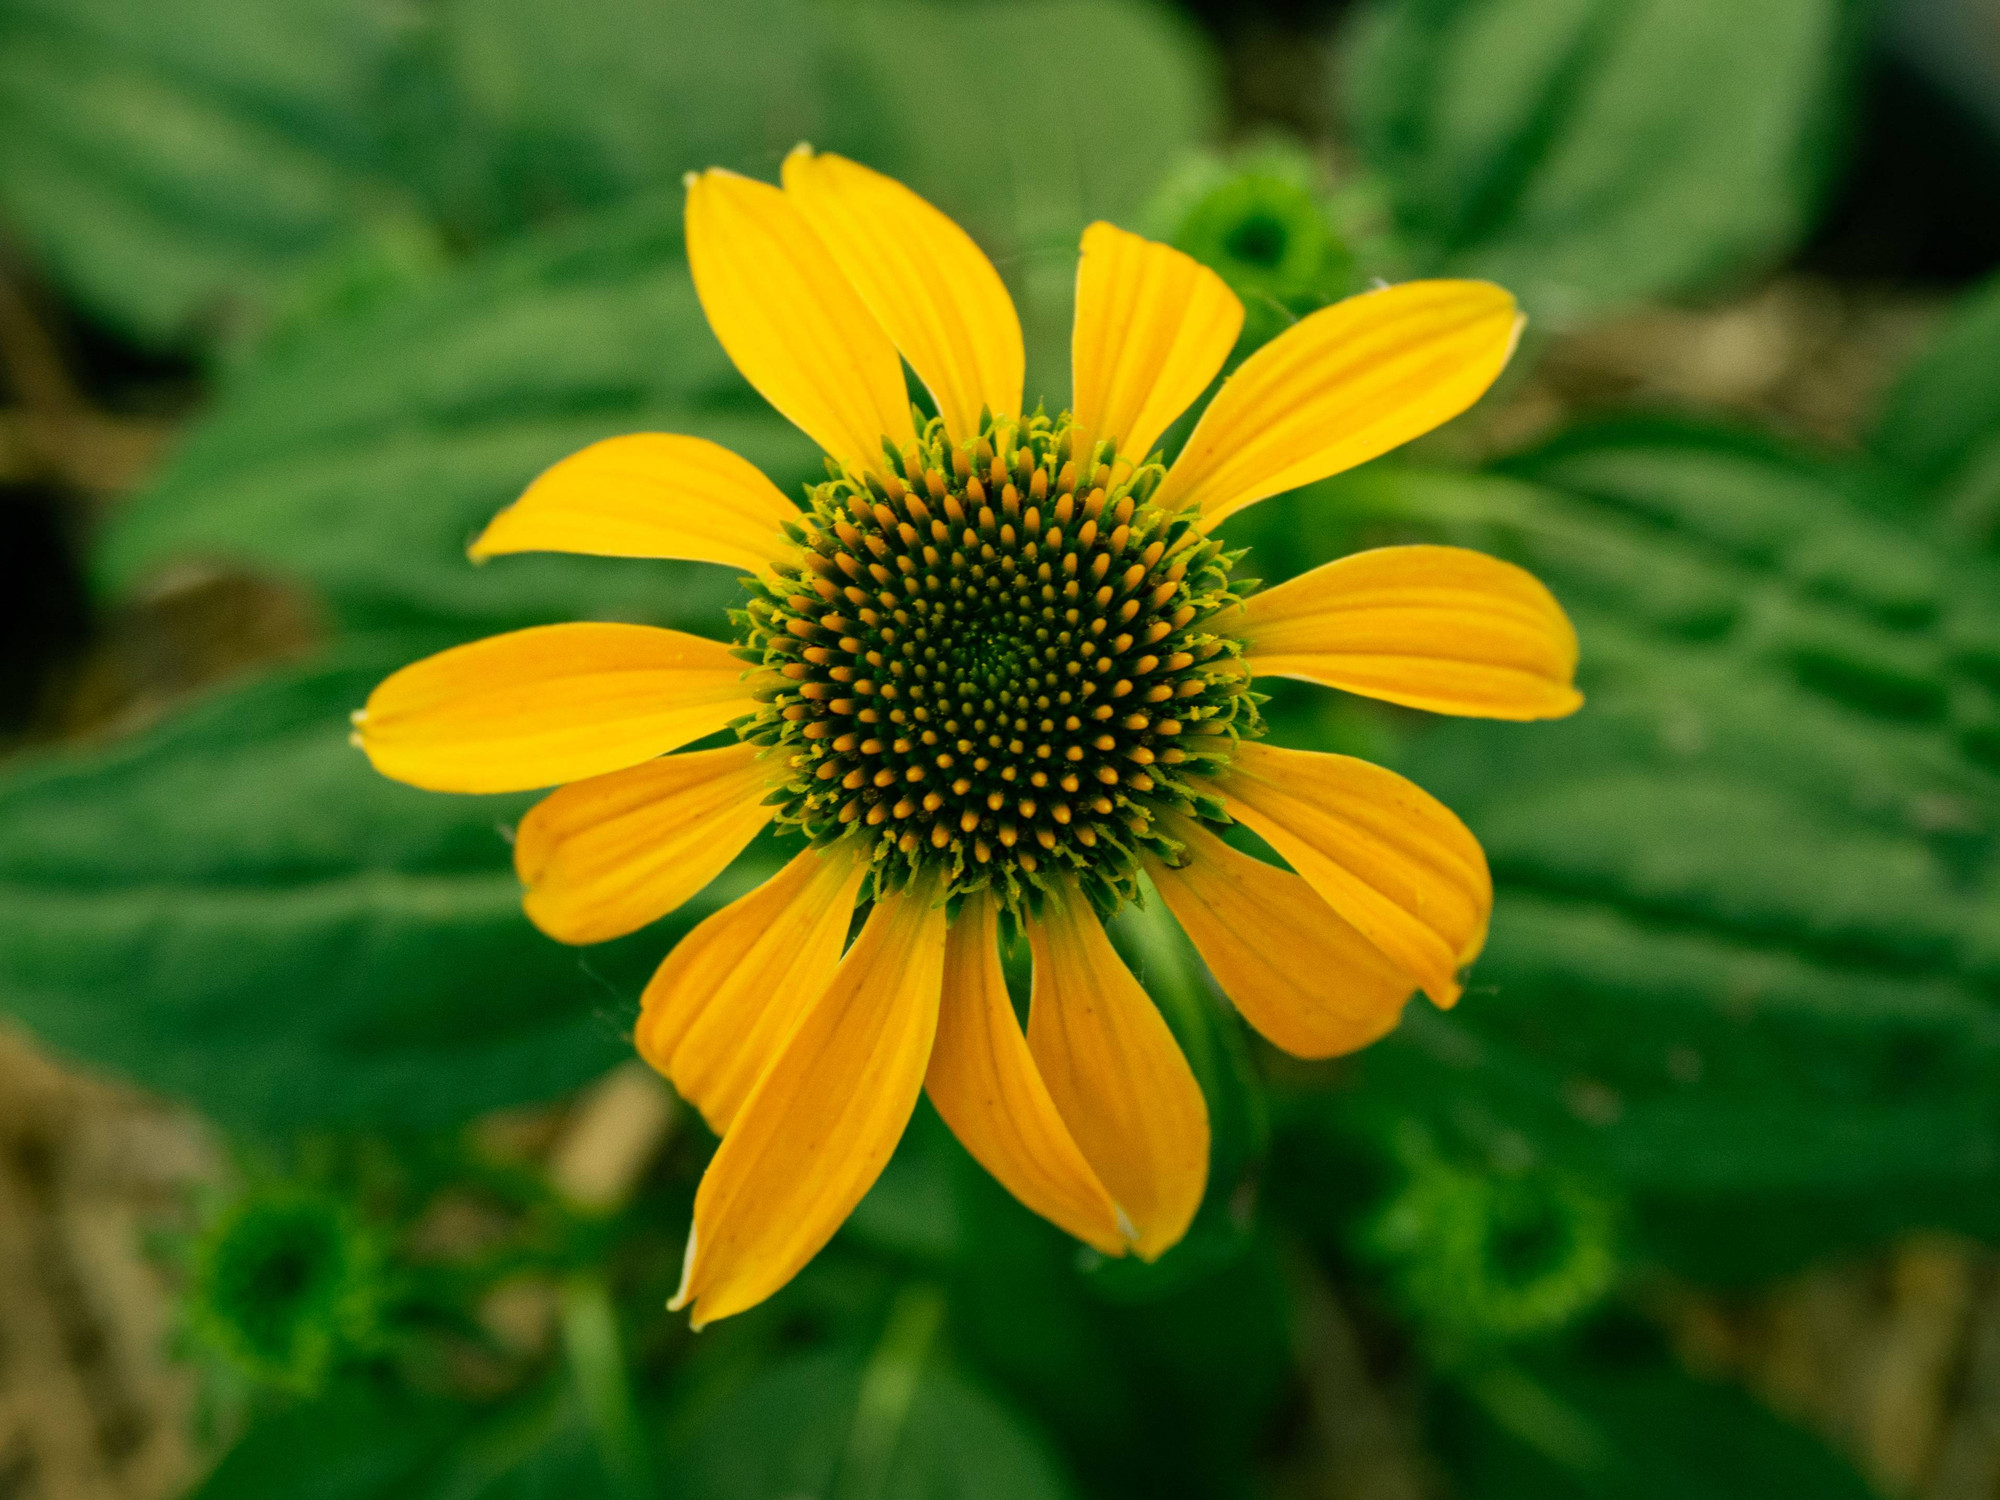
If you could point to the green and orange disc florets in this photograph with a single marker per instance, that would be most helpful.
(1000, 667)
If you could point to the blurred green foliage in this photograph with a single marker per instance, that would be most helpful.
(207, 171)
(364, 461)
(1743, 959)
(1738, 1008)
(235, 909)
(1596, 1420)
(1590, 152)
(184, 165)
(1940, 428)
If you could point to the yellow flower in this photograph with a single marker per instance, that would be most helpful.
(997, 674)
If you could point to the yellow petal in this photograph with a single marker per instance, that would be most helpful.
(553, 704)
(1343, 386)
(1299, 973)
(650, 494)
(604, 857)
(985, 1084)
(791, 322)
(1153, 326)
(927, 283)
(1385, 854)
(1440, 628)
(720, 1007)
(1117, 1075)
(823, 1119)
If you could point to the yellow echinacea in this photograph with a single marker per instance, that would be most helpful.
(993, 672)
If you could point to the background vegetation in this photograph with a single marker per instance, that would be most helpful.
(295, 295)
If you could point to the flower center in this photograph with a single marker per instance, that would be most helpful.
(997, 666)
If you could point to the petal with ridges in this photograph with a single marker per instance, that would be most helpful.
(1342, 386)
(1301, 975)
(556, 703)
(1153, 327)
(1117, 1075)
(791, 322)
(823, 1119)
(604, 857)
(984, 1083)
(721, 1006)
(1386, 855)
(650, 494)
(929, 286)
(1438, 628)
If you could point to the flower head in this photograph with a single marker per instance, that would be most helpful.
(1485, 1255)
(995, 668)
(1263, 220)
(287, 1282)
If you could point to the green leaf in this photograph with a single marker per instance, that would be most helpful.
(1744, 946)
(790, 1430)
(1737, 940)
(187, 171)
(1561, 149)
(355, 1444)
(1127, 1384)
(1026, 141)
(170, 163)
(1622, 1421)
(235, 909)
(178, 167)
(506, 113)
(911, 1212)
(362, 1442)
(363, 461)
(1940, 424)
